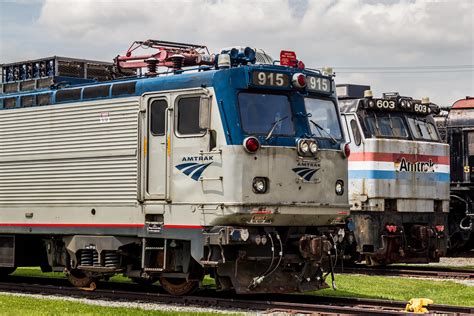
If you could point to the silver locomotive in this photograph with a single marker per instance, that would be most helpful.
(398, 177)
(224, 165)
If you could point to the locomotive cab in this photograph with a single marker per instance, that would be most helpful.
(398, 177)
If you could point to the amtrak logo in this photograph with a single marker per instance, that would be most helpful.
(193, 169)
(418, 166)
(305, 172)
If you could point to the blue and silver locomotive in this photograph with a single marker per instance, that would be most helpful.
(228, 165)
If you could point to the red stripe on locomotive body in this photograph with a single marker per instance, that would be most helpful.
(94, 225)
(71, 225)
(392, 157)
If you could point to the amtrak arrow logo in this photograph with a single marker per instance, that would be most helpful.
(304, 172)
(193, 169)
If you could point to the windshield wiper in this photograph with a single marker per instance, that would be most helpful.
(274, 124)
(322, 129)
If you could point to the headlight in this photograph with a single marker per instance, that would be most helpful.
(304, 147)
(260, 185)
(339, 187)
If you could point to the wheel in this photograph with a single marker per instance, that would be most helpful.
(79, 278)
(4, 271)
(144, 281)
(177, 286)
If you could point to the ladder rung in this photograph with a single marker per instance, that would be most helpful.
(153, 269)
(154, 248)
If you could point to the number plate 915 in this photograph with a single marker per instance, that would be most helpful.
(318, 84)
(270, 79)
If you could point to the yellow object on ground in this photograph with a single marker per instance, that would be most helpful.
(92, 287)
(418, 305)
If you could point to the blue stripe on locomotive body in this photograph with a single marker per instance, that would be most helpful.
(227, 84)
(393, 175)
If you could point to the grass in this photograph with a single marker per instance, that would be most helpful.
(20, 305)
(394, 288)
(402, 289)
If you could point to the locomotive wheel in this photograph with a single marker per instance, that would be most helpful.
(7, 271)
(178, 286)
(79, 278)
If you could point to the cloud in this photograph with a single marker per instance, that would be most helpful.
(360, 33)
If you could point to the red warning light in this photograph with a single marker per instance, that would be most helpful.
(288, 58)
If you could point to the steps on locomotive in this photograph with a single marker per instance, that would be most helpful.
(154, 255)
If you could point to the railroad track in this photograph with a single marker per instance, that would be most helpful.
(210, 298)
(410, 271)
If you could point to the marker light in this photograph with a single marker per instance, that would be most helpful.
(391, 228)
(223, 61)
(299, 80)
(339, 187)
(346, 150)
(440, 228)
(368, 94)
(251, 144)
(260, 185)
(313, 147)
(328, 71)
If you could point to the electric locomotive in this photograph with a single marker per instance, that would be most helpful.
(398, 177)
(457, 125)
(230, 165)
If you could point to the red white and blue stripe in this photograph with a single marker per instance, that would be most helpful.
(385, 166)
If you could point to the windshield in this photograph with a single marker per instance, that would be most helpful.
(262, 112)
(386, 126)
(422, 129)
(323, 118)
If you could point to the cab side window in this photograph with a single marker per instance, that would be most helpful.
(158, 117)
(188, 116)
(356, 132)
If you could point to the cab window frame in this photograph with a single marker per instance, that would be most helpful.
(426, 122)
(268, 92)
(176, 116)
(357, 141)
(151, 114)
(338, 116)
(368, 132)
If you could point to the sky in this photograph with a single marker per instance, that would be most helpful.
(414, 47)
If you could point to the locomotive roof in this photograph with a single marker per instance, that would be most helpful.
(467, 103)
(135, 86)
(461, 113)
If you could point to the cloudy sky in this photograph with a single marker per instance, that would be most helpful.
(417, 47)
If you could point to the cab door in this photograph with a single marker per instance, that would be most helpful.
(156, 147)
